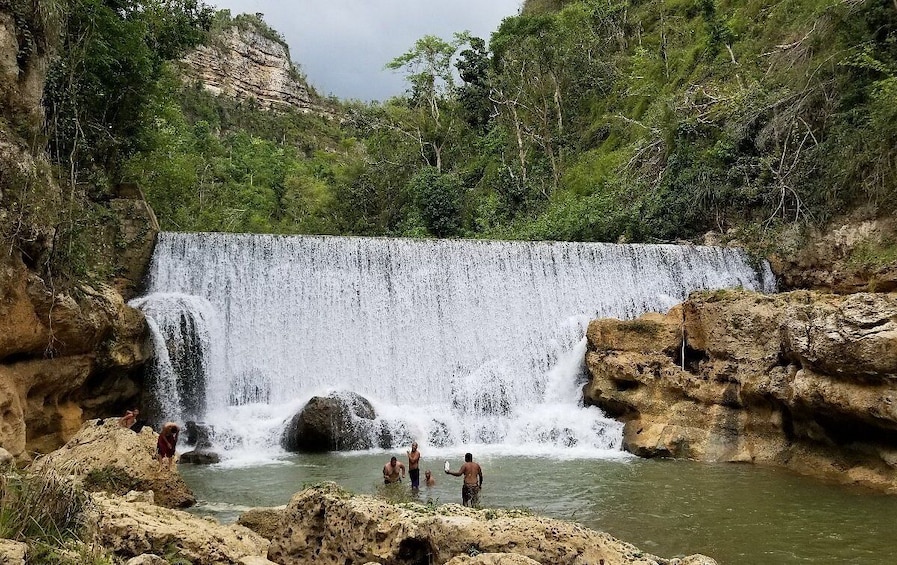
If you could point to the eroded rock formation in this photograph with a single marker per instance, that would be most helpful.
(64, 357)
(851, 256)
(800, 380)
(243, 63)
(132, 526)
(328, 526)
(105, 456)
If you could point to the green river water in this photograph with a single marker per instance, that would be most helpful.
(737, 514)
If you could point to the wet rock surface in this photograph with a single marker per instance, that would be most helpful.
(341, 421)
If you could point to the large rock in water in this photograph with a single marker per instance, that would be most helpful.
(339, 422)
(801, 380)
(327, 526)
(104, 456)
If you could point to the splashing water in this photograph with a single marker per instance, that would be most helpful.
(453, 342)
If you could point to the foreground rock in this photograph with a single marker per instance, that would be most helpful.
(339, 422)
(133, 526)
(104, 456)
(327, 526)
(800, 380)
(13, 552)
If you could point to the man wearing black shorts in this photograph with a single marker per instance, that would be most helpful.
(473, 481)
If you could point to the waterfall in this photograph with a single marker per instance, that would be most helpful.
(454, 342)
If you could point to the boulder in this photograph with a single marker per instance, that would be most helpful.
(198, 434)
(147, 559)
(264, 521)
(339, 422)
(200, 457)
(6, 458)
(803, 380)
(104, 456)
(131, 529)
(326, 525)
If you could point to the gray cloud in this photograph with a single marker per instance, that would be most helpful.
(343, 45)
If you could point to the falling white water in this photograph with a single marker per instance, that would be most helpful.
(454, 342)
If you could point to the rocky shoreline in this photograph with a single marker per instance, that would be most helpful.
(127, 519)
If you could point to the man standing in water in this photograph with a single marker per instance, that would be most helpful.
(473, 480)
(414, 466)
(391, 471)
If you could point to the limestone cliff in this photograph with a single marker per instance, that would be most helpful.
(68, 347)
(800, 380)
(243, 62)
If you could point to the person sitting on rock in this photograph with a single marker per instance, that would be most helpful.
(391, 471)
(165, 446)
(129, 419)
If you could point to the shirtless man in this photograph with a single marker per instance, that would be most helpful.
(431, 482)
(391, 471)
(414, 466)
(473, 480)
(129, 419)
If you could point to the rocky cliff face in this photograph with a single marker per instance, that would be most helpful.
(851, 255)
(67, 349)
(800, 380)
(241, 62)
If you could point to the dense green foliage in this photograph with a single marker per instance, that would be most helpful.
(581, 119)
(589, 119)
(111, 56)
(222, 165)
(105, 58)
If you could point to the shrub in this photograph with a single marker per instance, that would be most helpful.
(40, 507)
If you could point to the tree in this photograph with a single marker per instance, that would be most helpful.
(473, 95)
(429, 73)
(437, 198)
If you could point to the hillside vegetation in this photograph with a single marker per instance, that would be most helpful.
(587, 120)
(598, 120)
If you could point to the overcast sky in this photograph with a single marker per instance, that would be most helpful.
(343, 45)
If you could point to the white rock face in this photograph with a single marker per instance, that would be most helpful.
(243, 64)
